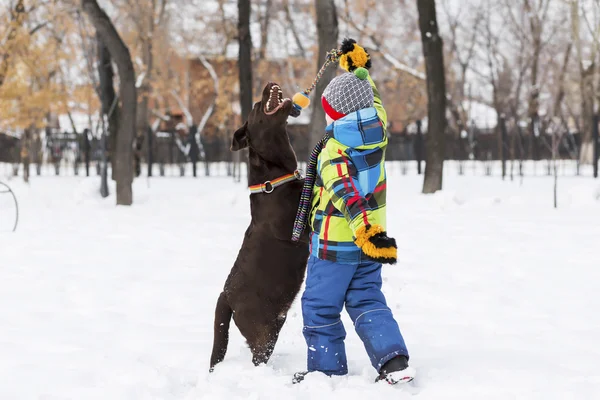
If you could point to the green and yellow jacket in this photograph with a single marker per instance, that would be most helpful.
(350, 189)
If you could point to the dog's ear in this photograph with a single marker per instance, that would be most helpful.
(240, 138)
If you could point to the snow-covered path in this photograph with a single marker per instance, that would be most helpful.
(496, 293)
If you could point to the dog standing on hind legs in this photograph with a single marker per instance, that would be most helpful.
(270, 267)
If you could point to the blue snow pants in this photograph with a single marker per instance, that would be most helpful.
(330, 285)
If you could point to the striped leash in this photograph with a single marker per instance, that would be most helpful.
(307, 189)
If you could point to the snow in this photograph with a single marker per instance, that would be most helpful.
(496, 293)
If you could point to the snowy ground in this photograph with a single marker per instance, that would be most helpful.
(496, 293)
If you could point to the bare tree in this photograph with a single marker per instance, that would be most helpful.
(292, 26)
(587, 76)
(149, 18)
(327, 31)
(110, 111)
(378, 45)
(436, 93)
(196, 130)
(123, 154)
(558, 132)
(534, 26)
(264, 30)
(462, 55)
(17, 19)
(244, 63)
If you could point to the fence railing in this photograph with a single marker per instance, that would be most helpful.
(527, 168)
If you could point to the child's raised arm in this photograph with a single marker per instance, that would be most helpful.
(381, 113)
(340, 180)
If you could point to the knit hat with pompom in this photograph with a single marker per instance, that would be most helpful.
(347, 93)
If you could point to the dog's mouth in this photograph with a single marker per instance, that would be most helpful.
(275, 101)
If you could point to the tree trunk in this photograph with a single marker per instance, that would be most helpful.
(123, 155)
(86, 150)
(419, 145)
(534, 104)
(327, 30)
(586, 85)
(245, 65)
(586, 88)
(25, 152)
(436, 96)
(37, 154)
(143, 124)
(503, 143)
(555, 144)
(150, 146)
(110, 111)
(595, 145)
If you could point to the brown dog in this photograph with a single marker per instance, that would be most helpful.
(270, 268)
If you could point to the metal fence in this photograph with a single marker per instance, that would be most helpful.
(515, 169)
(164, 155)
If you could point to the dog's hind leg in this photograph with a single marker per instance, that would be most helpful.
(223, 314)
(262, 350)
(264, 343)
(280, 321)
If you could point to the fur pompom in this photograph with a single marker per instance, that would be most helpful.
(361, 73)
(353, 56)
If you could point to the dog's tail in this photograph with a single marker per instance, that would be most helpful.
(223, 314)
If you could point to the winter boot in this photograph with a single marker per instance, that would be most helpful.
(396, 370)
(299, 376)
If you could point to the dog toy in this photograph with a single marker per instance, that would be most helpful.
(301, 99)
(351, 57)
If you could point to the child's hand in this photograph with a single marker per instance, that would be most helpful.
(375, 243)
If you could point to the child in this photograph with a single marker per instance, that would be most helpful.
(348, 238)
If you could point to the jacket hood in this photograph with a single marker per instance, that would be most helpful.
(360, 129)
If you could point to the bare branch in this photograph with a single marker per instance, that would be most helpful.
(181, 104)
(38, 27)
(211, 108)
(87, 55)
(292, 26)
(160, 115)
(161, 13)
(264, 30)
(72, 121)
(386, 54)
(509, 5)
